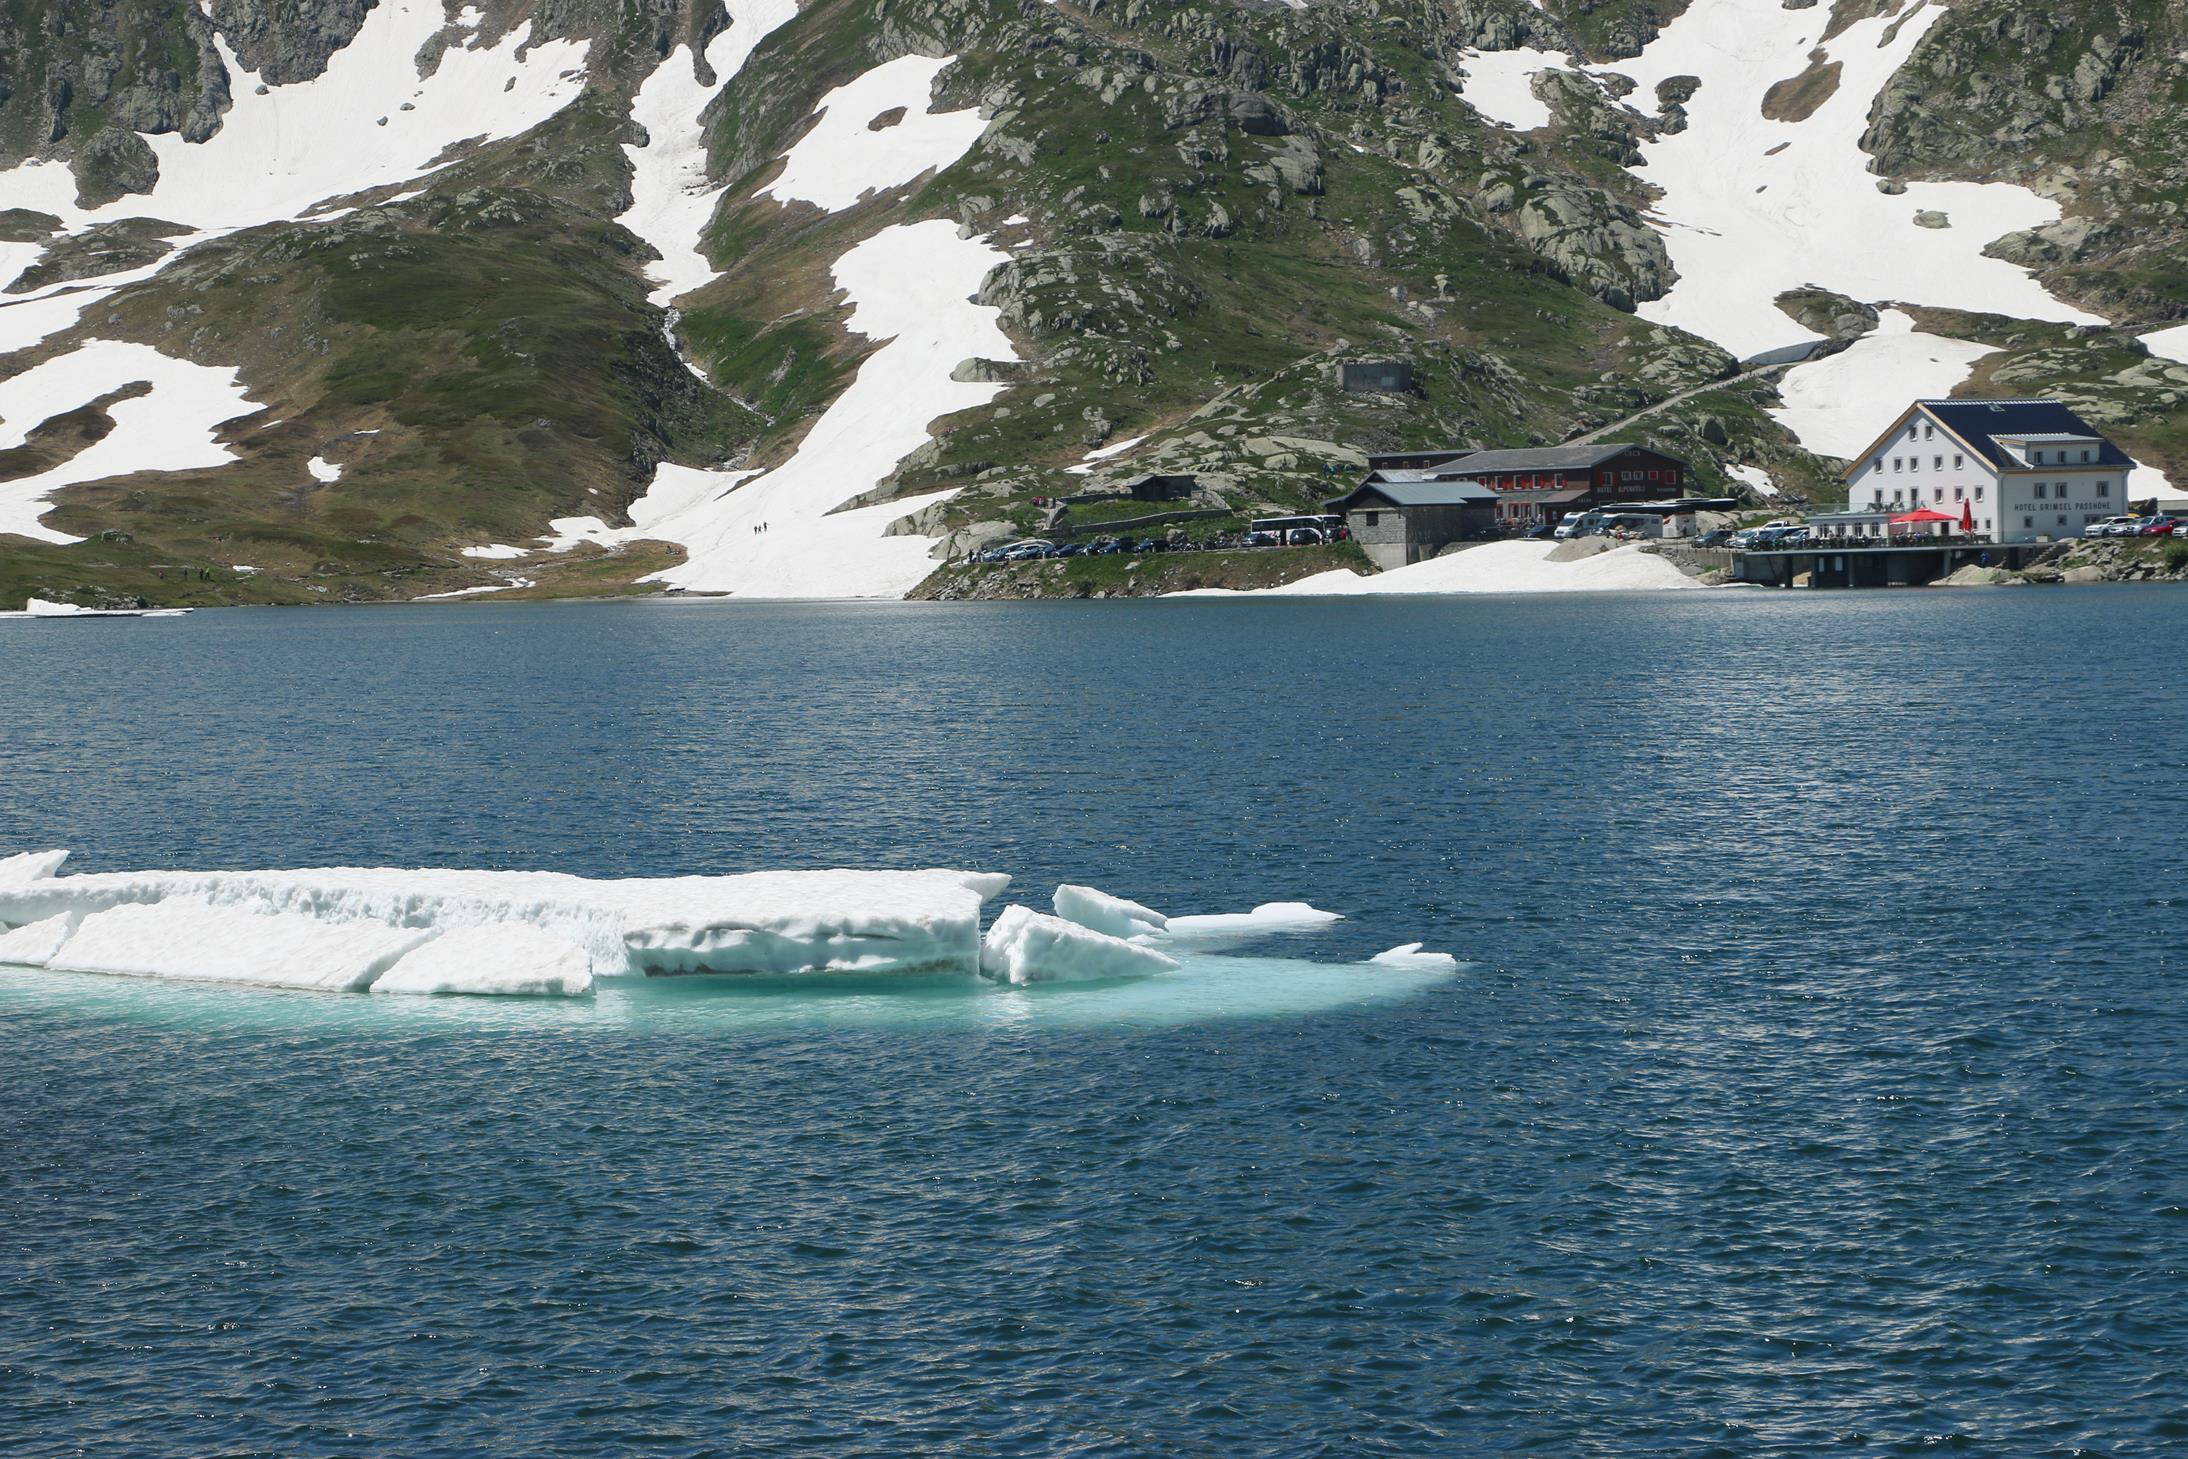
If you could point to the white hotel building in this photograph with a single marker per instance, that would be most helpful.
(2018, 470)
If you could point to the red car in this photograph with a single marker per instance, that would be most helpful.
(2160, 527)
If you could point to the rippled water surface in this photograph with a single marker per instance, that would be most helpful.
(1815, 1082)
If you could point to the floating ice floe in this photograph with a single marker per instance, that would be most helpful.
(1409, 955)
(1105, 913)
(346, 927)
(547, 934)
(521, 961)
(1025, 946)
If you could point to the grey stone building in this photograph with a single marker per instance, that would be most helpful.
(1398, 522)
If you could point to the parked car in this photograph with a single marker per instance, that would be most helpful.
(1717, 538)
(1303, 537)
(2109, 527)
(2159, 527)
(1029, 551)
(1105, 547)
(1537, 532)
(1263, 539)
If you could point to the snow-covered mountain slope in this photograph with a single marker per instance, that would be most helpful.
(780, 298)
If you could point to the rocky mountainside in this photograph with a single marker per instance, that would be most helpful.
(352, 300)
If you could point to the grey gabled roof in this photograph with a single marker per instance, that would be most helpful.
(1981, 422)
(1416, 494)
(1541, 458)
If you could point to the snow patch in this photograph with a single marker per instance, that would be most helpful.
(169, 429)
(1500, 85)
(2169, 344)
(1107, 914)
(322, 470)
(671, 199)
(1025, 946)
(1756, 478)
(1837, 405)
(843, 158)
(1086, 465)
(1752, 207)
(496, 552)
(1493, 567)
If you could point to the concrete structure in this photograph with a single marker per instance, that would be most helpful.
(1162, 488)
(2017, 470)
(1374, 377)
(1398, 523)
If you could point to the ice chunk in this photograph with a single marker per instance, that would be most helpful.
(1105, 913)
(30, 866)
(34, 946)
(1409, 956)
(191, 941)
(760, 922)
(511, 960)
(1025, 946)
(1268, 917)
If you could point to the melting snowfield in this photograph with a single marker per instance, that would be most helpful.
(1752, 207)
(876, 133)
(1839, 404)
(671, 199)
(1493, 567)
(787, 533)
(169, 428)
(543, 934)
(782, 533)
(369, 121)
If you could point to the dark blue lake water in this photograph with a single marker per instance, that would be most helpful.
(1817, 1083)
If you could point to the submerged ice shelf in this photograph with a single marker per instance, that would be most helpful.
(388, 930)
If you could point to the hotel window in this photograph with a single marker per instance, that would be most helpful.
(1880, 463)
(2039, 491)
(1895, 462)
(1959, 493)
(1928, 430)
(1979, 493)
(1937, 494)
(1957, 460)
(2062, 519)
(2028, 521)
(1937, 463)
(2104, 488)
(2085, 454)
